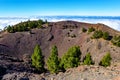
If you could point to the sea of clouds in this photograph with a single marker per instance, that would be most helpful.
(113, 22)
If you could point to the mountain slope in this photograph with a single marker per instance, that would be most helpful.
(63, 34)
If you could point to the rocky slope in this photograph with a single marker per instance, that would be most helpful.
(15, 47)
(59, 34)
(79, 73)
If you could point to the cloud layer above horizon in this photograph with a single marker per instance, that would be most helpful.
(111, 22)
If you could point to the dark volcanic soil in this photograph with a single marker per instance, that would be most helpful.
(60, 34)
(16, 48)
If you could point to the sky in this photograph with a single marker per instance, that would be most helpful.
(59, 7)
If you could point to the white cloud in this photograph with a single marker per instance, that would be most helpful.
(6, 22)
(113, 23)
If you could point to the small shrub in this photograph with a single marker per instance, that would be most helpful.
(105, 35)
(91, 29)
(65, 26)
(88, 60)
(106, 60)
(116, 41)
(71, 30)
(84, 30)
(73, 36)
(98, 34)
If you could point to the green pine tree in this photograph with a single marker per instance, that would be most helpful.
(87, 60)
(38, 59)
(53, 61)
(71, 58)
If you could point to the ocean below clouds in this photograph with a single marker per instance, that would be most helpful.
(113, 22)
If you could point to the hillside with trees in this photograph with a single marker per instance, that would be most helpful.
(56, 47)
(26, 26)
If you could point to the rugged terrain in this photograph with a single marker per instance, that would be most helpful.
(79, 73)
(59, 34)
(15, 46)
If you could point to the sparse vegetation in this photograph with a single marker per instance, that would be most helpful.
(88, 60)
(73, 36)
(69, 26)
(91, 29)
(106, 60)
(97, 34)
(53, 61)
(84, 30)
(106, 35)
(71, 58)
(116, 41)
(38, 59)
(100, 34)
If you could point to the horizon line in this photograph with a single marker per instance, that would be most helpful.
(55, 16)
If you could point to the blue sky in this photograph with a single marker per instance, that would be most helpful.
(60, 7)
